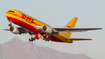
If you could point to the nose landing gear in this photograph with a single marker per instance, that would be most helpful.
(10, 23)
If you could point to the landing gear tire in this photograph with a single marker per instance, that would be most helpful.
(46, 39)
(30, 40)
(33, 39)
(9, 25)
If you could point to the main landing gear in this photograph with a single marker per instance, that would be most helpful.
(46, 38)
(31, 39)
(10, 23)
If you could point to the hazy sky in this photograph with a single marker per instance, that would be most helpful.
(57, 13)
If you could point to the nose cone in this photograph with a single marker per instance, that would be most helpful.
(7, 16)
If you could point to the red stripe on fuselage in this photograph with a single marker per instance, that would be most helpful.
(24, 25)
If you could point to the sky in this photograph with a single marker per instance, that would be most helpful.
(57, 13)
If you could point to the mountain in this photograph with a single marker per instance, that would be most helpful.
(17, 49)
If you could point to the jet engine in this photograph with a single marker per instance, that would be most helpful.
(47, 29)
(14, 30)
(17, 30)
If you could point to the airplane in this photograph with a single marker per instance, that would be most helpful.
(40, 30)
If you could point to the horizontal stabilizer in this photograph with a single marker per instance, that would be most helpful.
(78, 39)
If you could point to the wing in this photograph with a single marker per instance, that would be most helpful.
(70, 30)
(20, 30)
(6, 29)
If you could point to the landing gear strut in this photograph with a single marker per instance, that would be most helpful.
(10, 24)
(31, 39)
(46, 38)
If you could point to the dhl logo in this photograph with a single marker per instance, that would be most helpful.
(29, 19)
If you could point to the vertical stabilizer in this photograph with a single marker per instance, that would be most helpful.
(71, 24)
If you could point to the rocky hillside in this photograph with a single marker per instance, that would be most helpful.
(17, 49)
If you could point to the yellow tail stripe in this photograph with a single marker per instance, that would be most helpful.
(72, 23)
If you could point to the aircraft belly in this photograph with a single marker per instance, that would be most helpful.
(58, 38)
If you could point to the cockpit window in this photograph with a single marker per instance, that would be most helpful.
(11, 11)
